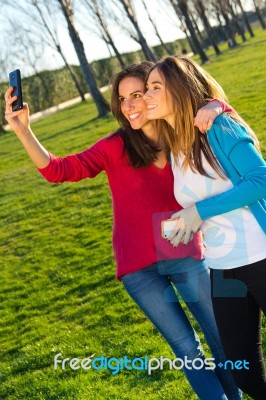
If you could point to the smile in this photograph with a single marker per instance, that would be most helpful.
(133, 116)
(151, 106)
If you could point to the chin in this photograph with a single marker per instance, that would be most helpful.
(136, 125)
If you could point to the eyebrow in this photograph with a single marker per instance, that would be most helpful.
(156, 82)
(130, 94)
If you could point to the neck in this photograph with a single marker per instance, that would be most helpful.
(150, 131)
(170, 119)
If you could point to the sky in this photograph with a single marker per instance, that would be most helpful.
(95, 48)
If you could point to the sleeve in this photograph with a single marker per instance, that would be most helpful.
(226, 108)
(251, 187)
(75, 167)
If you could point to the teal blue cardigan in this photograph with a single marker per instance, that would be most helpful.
(244, 166)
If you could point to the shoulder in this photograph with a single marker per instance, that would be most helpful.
(112, 144)
(226, 132)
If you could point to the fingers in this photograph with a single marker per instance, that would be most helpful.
(8, 93)
(175, 215)
(178, 238)
(13, 114)
(204, 120)
(206, 115)
(9, 103)
(187, 237)
(9, 99)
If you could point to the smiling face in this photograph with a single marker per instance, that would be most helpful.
(133, 105)
(159, 102)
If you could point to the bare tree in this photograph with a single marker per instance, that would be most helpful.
(245, 18)
(50, 28)
(231, 11)
(181, 8)
(129, 11)
(97, 10)
(223, 9)
(101, 104)
(199, 6)
(260, 17)
(167, 49)
(215, 12)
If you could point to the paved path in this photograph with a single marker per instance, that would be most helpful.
(42, 114)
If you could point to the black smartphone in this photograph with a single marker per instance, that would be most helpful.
(15, 82)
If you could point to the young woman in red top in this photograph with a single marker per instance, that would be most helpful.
(141, 183)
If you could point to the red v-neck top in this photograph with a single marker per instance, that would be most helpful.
(141, 198)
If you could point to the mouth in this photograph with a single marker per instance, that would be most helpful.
(134, 116)
(151, 106)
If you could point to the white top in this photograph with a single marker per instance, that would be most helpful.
(232, 239)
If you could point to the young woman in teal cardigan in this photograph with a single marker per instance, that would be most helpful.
(220, 180)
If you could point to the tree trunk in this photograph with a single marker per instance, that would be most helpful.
(239, 28)
(168, 51)
(229, 31)
(184, 10)
(141, 39)
(72, 75)
(106, 35)
(101, 104)
(211, 36)
(117, 54)
(200, 36)
(260, 17)
(58, 48)
(245, 17)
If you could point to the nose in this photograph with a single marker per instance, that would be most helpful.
(146, 95)
(127, 105)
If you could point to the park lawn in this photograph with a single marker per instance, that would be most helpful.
(58, 292)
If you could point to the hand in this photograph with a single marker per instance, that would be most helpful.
(18, 120)
(190, 224)
(206, 115)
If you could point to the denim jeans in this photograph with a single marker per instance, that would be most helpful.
(152, 288)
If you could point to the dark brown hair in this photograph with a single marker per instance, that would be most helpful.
(140, 149)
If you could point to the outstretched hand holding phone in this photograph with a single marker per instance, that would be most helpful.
(19, 122)
(15, 83)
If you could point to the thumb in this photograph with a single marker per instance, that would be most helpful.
(175, 215)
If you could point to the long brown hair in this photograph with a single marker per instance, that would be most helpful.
(141, 150)
(189, 88)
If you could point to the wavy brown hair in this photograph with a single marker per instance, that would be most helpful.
(140, 149)
(189, 87)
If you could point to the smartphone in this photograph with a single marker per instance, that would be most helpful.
(168, 225)
(15, 82)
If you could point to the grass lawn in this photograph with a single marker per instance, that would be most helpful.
(58, 292)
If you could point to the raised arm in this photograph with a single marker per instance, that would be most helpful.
(74, 167)
(207, 114)
(19, 122)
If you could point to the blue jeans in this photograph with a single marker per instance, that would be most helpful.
(152, 289)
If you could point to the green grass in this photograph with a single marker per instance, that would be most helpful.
(58, 292)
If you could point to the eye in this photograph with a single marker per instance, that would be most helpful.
(122, 99)
(137, 96)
